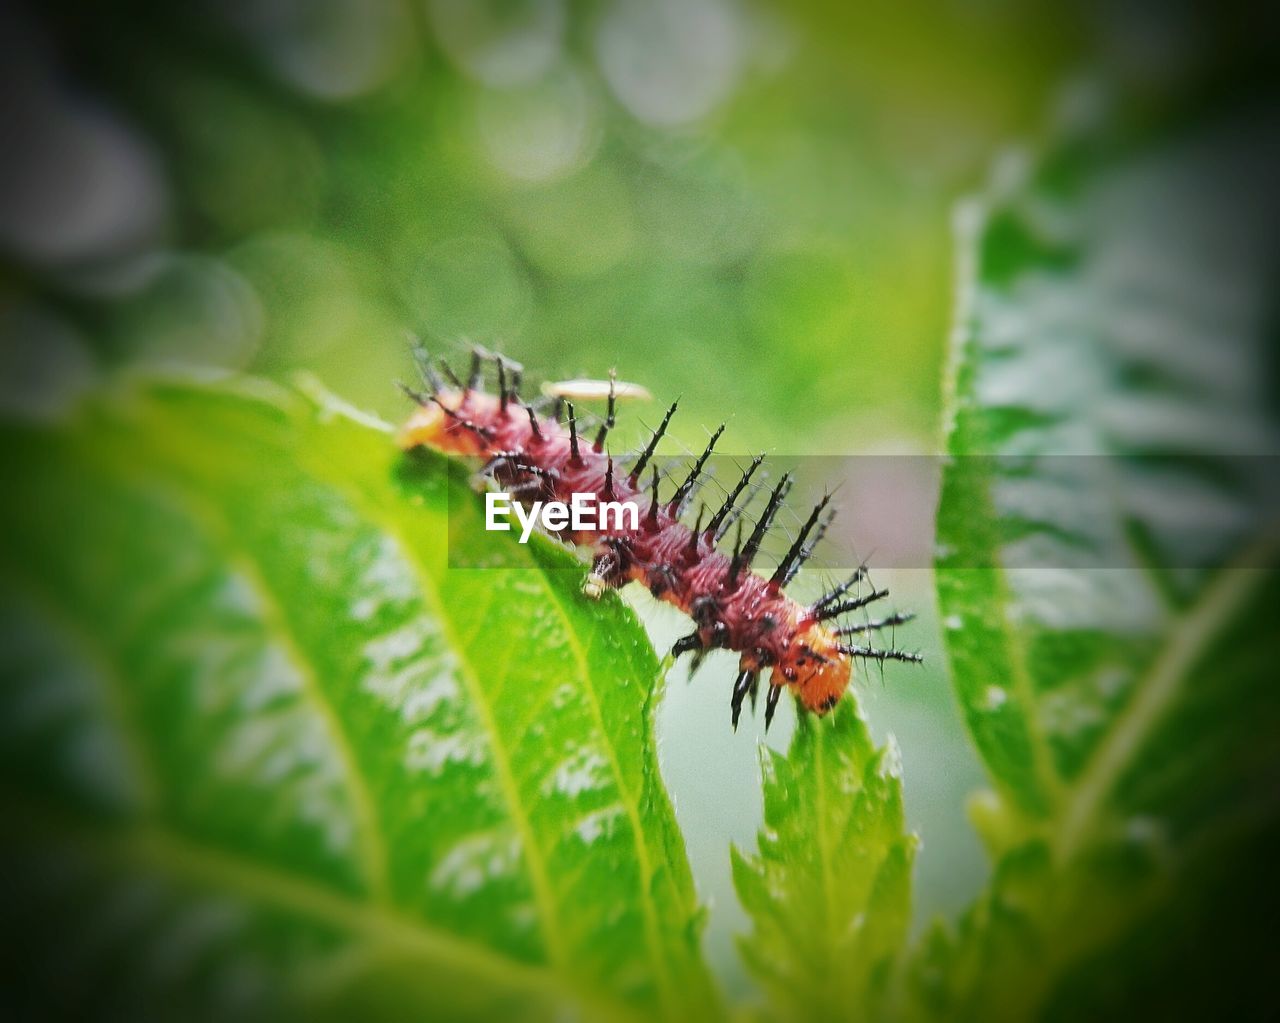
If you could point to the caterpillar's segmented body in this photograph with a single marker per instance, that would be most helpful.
(537, 458)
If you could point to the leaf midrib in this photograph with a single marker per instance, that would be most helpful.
(629, 802)
(1190, 636)
(537, 868)
(824, 842)
(531, 852)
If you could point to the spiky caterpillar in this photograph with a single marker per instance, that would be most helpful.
(536, 457)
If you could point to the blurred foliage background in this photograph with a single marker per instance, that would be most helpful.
(743, 203)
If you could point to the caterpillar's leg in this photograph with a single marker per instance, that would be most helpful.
(482, 477)
(746, 681)
(603, 574)
(514, 473)
(661, 579)
(686, 644)
(514, 457)
(771, 704)
(693, 642)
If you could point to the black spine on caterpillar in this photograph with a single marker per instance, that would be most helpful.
(536, 457)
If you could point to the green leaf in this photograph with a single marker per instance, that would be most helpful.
(1102, 575)
(829, 890)
(264, 750)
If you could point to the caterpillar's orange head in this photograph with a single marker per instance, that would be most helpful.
(817, 668)
(432, 426)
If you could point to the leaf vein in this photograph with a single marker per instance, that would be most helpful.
(1188, 639)
(629, 802)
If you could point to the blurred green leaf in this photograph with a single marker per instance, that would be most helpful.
(1109, 350)
(264, 750)
(829, 890)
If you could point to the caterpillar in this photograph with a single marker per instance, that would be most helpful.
(535, 457)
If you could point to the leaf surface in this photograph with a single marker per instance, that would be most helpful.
(1105, 531)
(265, 750)
(828, 890)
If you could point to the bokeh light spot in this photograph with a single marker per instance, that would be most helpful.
(670, 62)
(191, 311)
(500, 43)
(330, 49)
(76, 183)
(540, 133)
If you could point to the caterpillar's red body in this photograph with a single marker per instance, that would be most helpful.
(732, 607)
